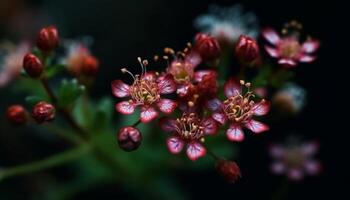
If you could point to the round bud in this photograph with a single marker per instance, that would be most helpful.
(247, 50)
(43, 112)
(229, 170)
(129, 138)
(17, 114)
(90, 66)
(207, 47)
(47, 39)
(32, 65)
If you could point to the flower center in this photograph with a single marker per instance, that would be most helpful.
(294, 157)
(289, 48)
(144, 91)
(190, 127)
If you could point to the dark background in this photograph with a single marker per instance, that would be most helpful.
(124, 30)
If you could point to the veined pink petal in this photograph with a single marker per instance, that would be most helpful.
(287, 62)
(261, 108)
(195, 150)
(166, 105)
(125, 107)
(198, 75)
(278, 167)
(168, 125)
(210, 126)
(273, 52)
(166, 84)
(148, 113)
(219, 117)
(175, 144)
(182, 90)
(256, 126)
(120, 89)
(232, 87)
(312, 167)
(306, 58)
(271, 36)
(214, 104)
(310, 46)
(295, 174)
(235, 133)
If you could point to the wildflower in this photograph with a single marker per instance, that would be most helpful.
(228, 23)
(188, 130)
(290, 99)
(146, 92)
(32, 65)
(17, 114)
(239, 109)
(247, 50)
(47, 39)
(295, 159)
(11, 57)
(43, 112)
(207, 47)
(288, 49)
(229, 170)
(129, 138)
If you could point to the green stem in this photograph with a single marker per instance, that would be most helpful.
(46, 163)
(136, 123)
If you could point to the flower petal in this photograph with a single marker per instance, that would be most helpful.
(195, 150)
(278, 167)
(287, 62)
(120, 89)
(219, 117)
(235, 133)
(312, 167)
(148, 113)
(306, 58)
(271, 36)
(150, 75)
(168, 125)
(167, 106)
(125, 107)
(214, 104)
(256, 126)
(166, 84)
(310, 46)
(182, 90)
(232, 87)
(295, 174)
(277, 151)
(309, 149)
(210, 126)
(175, 144)
(198, 75)
(272, 51)
(261, 108)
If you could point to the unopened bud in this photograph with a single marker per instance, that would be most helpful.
(43, 112)
(129, 138)
(17, 114)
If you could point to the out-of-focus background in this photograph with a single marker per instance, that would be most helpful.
(123, 30)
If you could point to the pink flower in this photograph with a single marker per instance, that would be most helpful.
(146, 92)
(188, 130)
(288, 49)
(295, 160)
(239, 109)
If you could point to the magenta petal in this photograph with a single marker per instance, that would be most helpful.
(166, 84)
(261, 108)
(168, 125)
(287, 62)
(125, 107)
(271, 36)
(256, 126)
(276, 151)
(278, 167)
(235, 133)
(182, 90)
(175, 144)
(272, 51)
(195, 150)
(214, 104)
(232, 87)
(166, 105)
(120, 89)
(148, 113)
(310, 46)
(306, 58)
(309, 149)
(219, 117)
(295, 174)
(312, 167)
(210, 126)
(198, 75)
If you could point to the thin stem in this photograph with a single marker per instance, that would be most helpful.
(48, 90)
(212, 154)
(46, 163)
(136, 123)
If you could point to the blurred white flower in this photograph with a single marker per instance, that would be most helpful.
(290, 99)
(228, 23)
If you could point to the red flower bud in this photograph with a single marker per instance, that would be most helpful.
(32, 65)
(90, 66)
(247, 50)
(47, 39)
(228, 170)
(17, 114)
(43, 112)
(207, 47)
(129, 138)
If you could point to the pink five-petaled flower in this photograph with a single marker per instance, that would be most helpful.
(188, 130)
(239, 109)
(288, 49)
(146, 92)
(295, 159)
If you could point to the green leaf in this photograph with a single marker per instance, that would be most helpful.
(69, 92)
(33, 99)
(54, 70)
